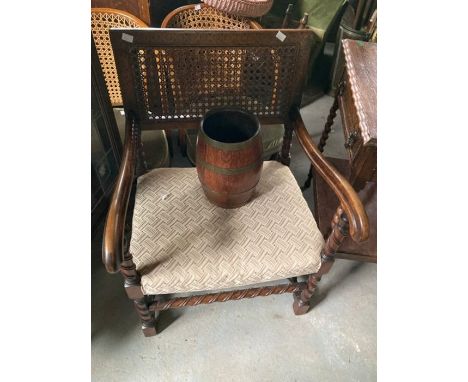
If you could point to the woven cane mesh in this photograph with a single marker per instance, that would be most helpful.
(249, 8)
(207, 18)
(101, 22)
(185, 83)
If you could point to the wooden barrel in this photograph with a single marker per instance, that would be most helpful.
(229, 156)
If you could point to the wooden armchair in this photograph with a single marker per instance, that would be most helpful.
(179, 242)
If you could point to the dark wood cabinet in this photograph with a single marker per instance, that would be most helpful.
(106, 146)
(357, 100)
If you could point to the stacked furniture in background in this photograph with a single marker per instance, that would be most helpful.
(354, 25)
(323, 18)
(201, 16)
(155, 145)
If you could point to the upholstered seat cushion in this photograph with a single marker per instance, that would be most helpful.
(182, 243)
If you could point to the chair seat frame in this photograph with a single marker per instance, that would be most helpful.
(350, 218)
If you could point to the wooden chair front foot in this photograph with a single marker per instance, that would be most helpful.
(148, 319)
(149, 331)
(338, 233)
(302, 299)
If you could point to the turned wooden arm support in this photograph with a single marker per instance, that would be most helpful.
(114, 230)
(349, 199)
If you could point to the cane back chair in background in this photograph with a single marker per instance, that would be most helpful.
(138, 8)
(179, 242)
(202, 16)
(155, 151)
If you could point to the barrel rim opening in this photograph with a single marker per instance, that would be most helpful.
(230, 126)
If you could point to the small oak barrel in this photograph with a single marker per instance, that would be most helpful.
(229, 156)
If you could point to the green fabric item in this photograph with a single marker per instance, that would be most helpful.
(321, 12)
(272, 139)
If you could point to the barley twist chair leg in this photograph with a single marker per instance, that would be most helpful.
(323, 139)
(339, 232)
(148, 320)
(134, 292)
(301, 303)
(308, 181)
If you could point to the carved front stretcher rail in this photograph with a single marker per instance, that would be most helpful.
(181, 302)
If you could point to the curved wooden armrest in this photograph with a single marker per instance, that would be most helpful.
(113, 240)
(349, 199)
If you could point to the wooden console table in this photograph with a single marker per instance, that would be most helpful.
(357, 101)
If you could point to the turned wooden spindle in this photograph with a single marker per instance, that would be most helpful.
(357, 22)
(287, 16)
(127, 266)
(131, 277)
(328, 125)
(323, 139)
(134, 292)
(304, 21)
(338, 233)
(141, 164)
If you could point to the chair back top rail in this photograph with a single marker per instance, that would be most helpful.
(172, 77)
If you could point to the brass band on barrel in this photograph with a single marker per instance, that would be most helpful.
(229, 171)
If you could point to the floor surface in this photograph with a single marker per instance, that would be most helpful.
(248, 340)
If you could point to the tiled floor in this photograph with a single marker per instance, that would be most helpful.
(247, 340)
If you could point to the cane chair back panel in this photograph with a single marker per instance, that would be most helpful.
(102, 19)
(201, 16)
(138, 8)
(177, 75)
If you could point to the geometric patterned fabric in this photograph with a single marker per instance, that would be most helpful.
(182, 243)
